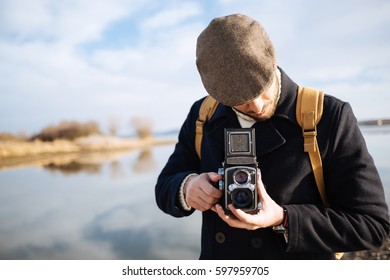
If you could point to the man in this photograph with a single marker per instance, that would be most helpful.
(237, 65)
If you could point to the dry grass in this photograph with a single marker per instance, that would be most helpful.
(21, 153)
(24, 148)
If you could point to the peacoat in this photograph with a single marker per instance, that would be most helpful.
(356, 219)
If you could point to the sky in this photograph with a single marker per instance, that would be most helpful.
(116, 60)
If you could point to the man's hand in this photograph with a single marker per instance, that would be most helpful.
(199, 191)
(271, 213)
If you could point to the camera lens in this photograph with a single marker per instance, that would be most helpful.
(242, 198)
(241, 177)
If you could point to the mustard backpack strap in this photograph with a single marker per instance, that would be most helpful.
(206, 111)
(308, 113)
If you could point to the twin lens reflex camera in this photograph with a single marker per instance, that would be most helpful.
(239, 171)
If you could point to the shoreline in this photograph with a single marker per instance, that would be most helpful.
(17, 154)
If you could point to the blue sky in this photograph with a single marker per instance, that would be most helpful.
(108, 60)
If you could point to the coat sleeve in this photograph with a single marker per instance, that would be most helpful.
(357, 218)
(183, 161)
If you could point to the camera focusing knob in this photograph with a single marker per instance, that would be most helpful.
(220, 185)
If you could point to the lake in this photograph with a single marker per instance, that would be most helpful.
(103, 207)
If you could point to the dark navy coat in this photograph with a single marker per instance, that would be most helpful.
(357, 218)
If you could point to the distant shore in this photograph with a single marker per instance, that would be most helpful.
(15, 154)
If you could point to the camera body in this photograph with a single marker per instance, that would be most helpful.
(239, 171)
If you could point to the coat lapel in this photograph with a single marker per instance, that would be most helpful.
(267, 136)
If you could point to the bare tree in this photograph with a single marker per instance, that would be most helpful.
(143, 126)
(113, 125)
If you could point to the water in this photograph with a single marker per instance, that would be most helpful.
(92, 208)
(92, 211)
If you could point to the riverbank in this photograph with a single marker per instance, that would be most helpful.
(14, 154)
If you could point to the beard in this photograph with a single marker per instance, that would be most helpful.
(271, 108)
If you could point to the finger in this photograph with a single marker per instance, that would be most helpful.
(231, 220)
(198, 206)
(204, 193)
(203, 203)
(221, 213)
(214, 177)
(210, 191)
(260, 187)
(248, 219)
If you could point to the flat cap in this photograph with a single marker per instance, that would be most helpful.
(235, 59)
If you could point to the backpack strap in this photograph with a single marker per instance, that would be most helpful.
(206, 111)
(309, 110)
(308, 113)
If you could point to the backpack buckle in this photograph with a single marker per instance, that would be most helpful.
(309, 137)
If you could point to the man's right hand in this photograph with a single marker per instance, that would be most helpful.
(199, 191)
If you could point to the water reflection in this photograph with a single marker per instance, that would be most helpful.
(73, 167)
(113, 227)
(145, 162)
(91, 163)
(91, 206)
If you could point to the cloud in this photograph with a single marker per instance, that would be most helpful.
(90, 60)
(70, 22)
(172, 15)
(61, 80)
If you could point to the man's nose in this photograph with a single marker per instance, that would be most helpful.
(257, 105)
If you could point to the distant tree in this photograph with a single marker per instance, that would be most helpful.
(69, 130)
(143, 126)
(113, 125)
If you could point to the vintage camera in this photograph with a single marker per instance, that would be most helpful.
(239, 171)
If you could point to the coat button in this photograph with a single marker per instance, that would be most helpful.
(257, 242)
(220, 237)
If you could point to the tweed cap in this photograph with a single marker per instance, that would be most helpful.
(235, 59)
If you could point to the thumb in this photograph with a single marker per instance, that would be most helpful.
(260, 186)
(214, 177)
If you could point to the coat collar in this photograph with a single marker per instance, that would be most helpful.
(287, 101)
